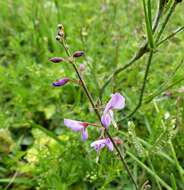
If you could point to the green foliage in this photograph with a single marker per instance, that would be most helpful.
(37, 151)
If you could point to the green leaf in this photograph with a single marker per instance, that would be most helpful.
(147, 14)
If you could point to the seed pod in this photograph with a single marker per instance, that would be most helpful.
(61, 82)
(56, 59)
(78, 54)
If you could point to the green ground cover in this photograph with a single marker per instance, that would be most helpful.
(36, 150)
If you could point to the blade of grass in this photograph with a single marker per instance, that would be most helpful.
(171, 35)
(149, 99)
(173, 181)
(152, 173)
(164, 84)
(149, 61)
(159, 153)
(177, 162)
(171, 10)
(149, 12)
(22, 180)
(147, 15)
(152, 167)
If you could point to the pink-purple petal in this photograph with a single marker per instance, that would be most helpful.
(73, 124)
(99, 144)
(106, 120)
(117, 101)
(109, 144)
(61, 82)
(84, 134)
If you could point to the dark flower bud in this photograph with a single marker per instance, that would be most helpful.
(61, 82)
(56, 59)
(58, 38)
(61, 33)
(60, 27)
(117, 140)
(168, 94)
(78, 54)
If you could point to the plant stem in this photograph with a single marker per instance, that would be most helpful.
(143, 87)
(170, 36)
(88, 94)
(179, 168)
(166, 21)
(149, 99)
(152, 167)
(142, 50)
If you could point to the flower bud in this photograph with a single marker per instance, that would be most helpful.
(117, 140)
(61, 33)
(56, 59)
(81, 67)
(61, 82)
(58, 38)
(78, 54)
(60, 27)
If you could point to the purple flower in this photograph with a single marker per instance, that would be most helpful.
(116, 102)
(61, 82)
(78, 126)
(56, 59)
(101, 143)
(78, 54)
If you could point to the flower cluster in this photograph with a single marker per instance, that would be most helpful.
(116, 102)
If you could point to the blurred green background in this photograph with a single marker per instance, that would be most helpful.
(109, 32)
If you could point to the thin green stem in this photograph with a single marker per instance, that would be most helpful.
(166, 21)
(147, 15)
(152, 167)
(163, 90)
(18, 180)
(143, 87)
(171, 35)
(177, 162)
(142, 50)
